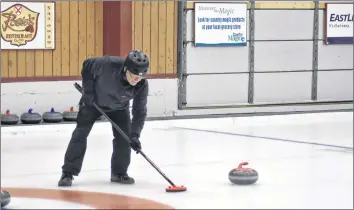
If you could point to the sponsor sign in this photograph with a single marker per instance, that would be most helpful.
(27, 25)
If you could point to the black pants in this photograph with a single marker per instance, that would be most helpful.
(76, 150)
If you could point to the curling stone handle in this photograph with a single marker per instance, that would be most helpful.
(242, 164)
(240, 168)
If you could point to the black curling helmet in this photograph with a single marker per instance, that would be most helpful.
(137, 63)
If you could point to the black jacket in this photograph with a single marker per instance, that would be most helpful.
(104, 78)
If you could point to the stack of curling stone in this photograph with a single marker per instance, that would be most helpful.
(5, 198)
(70, 115)
(243, 176)
(31, 117)
(52, 116)
(9, 119)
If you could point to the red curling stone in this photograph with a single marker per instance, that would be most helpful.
(243, 176)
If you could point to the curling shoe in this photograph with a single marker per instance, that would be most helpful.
(65, 180)
(122, 179)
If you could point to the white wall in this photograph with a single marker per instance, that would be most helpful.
(41, 96)
(283, 62)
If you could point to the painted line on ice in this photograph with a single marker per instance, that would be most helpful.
(265, 137)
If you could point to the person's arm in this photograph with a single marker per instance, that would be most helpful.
(139, 111)
(89, 73)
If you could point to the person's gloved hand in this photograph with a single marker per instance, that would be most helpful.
(88, 99)
(135, 144)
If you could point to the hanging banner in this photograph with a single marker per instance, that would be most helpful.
(27, 25)
(220, 24)
(339, 23)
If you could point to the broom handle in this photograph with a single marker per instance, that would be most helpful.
(79, 88)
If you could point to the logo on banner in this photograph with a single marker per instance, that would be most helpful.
(19, 25)
(339, 24)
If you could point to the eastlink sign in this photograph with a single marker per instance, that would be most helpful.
(339, 23)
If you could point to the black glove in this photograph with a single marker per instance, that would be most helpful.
(135, 144)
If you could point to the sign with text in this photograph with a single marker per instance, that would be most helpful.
(339, 23)
(27, 25)
(220, 24)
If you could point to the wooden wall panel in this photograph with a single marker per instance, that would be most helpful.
(170, 34)
(98, 28)
(12, 63)
(154, 41)
(90, 28)
(57, 52)
(21, 63)
(74, 38)
(5, 64)
(117, 27)
(30, 63)
(162, 38)
(78, 35)
(82, 33)
(154, 30)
